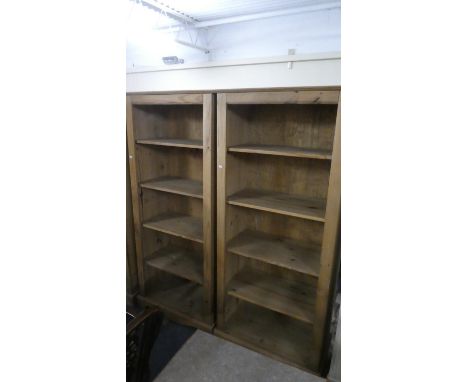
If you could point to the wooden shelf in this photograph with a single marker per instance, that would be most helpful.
(288, 297)
(176, 185)
(285, 204)
(275, 334)
(180, 262)
(188, 143)
(185, 298)
(287, 151)
(278, 251)
(187, 227)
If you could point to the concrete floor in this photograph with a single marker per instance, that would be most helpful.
(206, 358)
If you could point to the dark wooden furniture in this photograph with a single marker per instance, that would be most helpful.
(142, 332)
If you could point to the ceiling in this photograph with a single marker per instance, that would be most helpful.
(206, 10)
(206, 13)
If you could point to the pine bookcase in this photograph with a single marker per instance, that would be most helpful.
(171, 141)
(278, 211)
(131, 267)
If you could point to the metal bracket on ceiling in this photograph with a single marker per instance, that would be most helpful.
(168, 11)
(186, 22)
(194, 46)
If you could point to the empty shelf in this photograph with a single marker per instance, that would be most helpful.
(288, 151)
(285, 204)
(271, 332)
(186, 298)
(187, 227)
(189, 143)
(289, 297)
(180, 262)
(175, 185)
(278, 251)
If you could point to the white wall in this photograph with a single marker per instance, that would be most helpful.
(312, 32)
(313, 72)
(248, 54)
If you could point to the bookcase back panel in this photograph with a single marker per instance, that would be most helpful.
(295, 176)
(157, 162)
(154, 241)
(156, 203)
(156, 279)
(281, 274)
(274, 333)
(240, 219)
(306, 126)
(231, 305)
(168, 121)
(175, 293)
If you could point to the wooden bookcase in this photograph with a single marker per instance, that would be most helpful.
(171, 154)
(131, 267)
(278, 212)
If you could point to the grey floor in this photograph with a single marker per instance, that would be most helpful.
(206, 358)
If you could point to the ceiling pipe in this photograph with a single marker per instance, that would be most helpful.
(261, 15)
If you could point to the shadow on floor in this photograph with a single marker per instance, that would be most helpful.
(171, 338)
